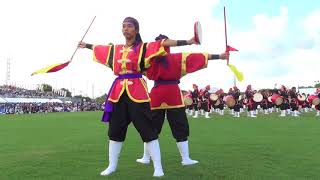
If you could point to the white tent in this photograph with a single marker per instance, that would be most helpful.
(55, 101)
(2, 100)
(26, 100)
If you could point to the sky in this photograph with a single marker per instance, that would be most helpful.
(278, 40)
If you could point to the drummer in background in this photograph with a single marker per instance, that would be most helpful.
(237, 106)
(256, 103)
(318, 106)
(265, 102)
(277, 107)
(270, 103)
(220, 106)
(205, 105)
(304, 104)
(201, 102)
(231, 93)
(189, 107)
(293, 101)
(250, 102)
(215, 101)
(195, 100)
(285, 105)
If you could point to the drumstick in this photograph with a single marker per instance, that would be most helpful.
(83, 38)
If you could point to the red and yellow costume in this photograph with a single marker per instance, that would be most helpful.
(166, 93)
(124, 60)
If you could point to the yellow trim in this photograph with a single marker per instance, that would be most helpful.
(121, 92)
(125, 52)
(94, 54)
(145, 86)
(160, 52)
(136, 100)
(139, 60)
(108, 56)
(166, 106)
(206, 59)
(184, 64)
(113, 60)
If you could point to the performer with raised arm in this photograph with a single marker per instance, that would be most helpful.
(285, 105)
(128, 99)
(250, 102)
(237, 106)
(166, 96)
(195, 100)
(293, 101)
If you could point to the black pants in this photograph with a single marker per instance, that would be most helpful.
(177, 119)
(284, 106)
(205, 106)
(195, 106)
(126, 111)
(294, 106)
(237, 107)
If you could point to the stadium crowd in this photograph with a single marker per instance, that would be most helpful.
(41, 107)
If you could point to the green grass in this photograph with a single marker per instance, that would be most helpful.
(74, 146)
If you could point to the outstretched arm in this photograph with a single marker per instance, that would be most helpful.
(222, 56)
(85, 45)
(172, 43)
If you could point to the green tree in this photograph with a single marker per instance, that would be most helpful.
(46, 87)
(68, 92)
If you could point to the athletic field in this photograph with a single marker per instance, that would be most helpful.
(74, 146)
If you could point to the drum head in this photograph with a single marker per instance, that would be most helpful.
(214, 97)
(187, 101)
(198, 32)
(301, 98)
(269, 99)
(230, 102)
(278, 101)
(316, 101)
(257, 97)
(217, 102)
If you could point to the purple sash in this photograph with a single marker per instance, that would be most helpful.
(156, 82)
(108, 106)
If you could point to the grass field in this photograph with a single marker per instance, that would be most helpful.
(74, 145)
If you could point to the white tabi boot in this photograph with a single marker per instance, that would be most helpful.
(114, 153)
(153, 148)
(196, 114)
(184, 152)
(146, 156)
(252, 114)
(207, 115)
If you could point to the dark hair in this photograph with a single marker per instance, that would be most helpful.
(138, 40)
(161, 36)
(162, 59)
(133, 21)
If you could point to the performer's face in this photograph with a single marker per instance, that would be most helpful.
(128, 30)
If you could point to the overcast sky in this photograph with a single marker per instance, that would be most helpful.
(278, 41)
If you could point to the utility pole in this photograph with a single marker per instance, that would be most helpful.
(8, 71)
(92, 91)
